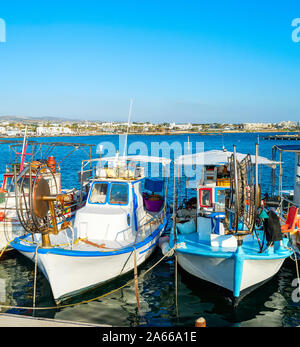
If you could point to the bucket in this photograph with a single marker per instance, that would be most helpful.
(152, 203)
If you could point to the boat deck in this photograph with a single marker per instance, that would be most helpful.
(189, 243)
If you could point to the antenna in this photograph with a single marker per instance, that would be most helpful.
(128, 124)
(23, 150)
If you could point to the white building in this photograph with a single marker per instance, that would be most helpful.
(52, 130)
(254, 126)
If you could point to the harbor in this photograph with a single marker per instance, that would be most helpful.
(159, 274)
(149, 168)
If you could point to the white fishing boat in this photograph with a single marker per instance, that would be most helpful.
(117, 229)
(23, 153)
(227, 248)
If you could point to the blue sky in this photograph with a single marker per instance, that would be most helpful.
(182, 61)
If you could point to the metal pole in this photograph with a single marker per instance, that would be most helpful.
(280, 177)
(256, 176)
(236, 188)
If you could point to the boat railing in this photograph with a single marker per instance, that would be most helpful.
(155, 221)
(284, 206)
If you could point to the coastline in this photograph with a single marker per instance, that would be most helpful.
(167, 133)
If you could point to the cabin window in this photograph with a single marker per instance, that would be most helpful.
(98, 193)
(205, 198)
(118, 194)
(221, 193)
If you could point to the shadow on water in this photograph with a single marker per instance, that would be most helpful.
(269, 305)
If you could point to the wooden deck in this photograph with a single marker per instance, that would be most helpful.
(13, 320)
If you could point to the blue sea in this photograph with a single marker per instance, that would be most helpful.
(271, 305)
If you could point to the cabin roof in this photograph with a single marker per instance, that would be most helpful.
(219, 157)
(136, 158)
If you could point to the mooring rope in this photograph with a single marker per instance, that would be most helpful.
(296, 263)
(35, 275)
(168, 254)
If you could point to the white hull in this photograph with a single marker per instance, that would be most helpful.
(220, 271)
(70, 274)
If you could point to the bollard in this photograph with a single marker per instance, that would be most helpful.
(200, 323)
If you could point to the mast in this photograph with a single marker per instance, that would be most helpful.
(23, 150)
(128, 124)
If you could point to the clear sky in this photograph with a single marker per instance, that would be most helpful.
(182, 61)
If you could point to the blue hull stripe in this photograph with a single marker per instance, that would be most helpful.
(16, 244)
(151, 246)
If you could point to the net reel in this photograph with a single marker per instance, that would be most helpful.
(39, 205)
(244, 197)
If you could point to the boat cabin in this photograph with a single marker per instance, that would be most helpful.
(212, 187)
(120, 200)
(204, 212)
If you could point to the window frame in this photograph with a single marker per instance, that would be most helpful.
(91, 190)
(110, 187)
(108, 193)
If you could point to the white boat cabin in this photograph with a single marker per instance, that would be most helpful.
(119, 201)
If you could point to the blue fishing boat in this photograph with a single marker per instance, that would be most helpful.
(236, 249)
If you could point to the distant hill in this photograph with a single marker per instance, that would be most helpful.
(27, 119)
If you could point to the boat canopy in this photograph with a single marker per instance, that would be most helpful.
(219, 157)
(136, 158)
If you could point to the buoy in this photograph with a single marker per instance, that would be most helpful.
(2, 215)
(52, 164)
(163, 243)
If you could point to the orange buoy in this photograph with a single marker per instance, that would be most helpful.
(200, 323)
(52, 164)
(2, 215)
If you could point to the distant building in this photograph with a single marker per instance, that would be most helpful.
(186, 126)
(287, 124)
(255, 126)
(53, 130)
(12, 132)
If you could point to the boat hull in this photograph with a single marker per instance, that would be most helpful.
(220, 271)
(70, 273)
(236, 271)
